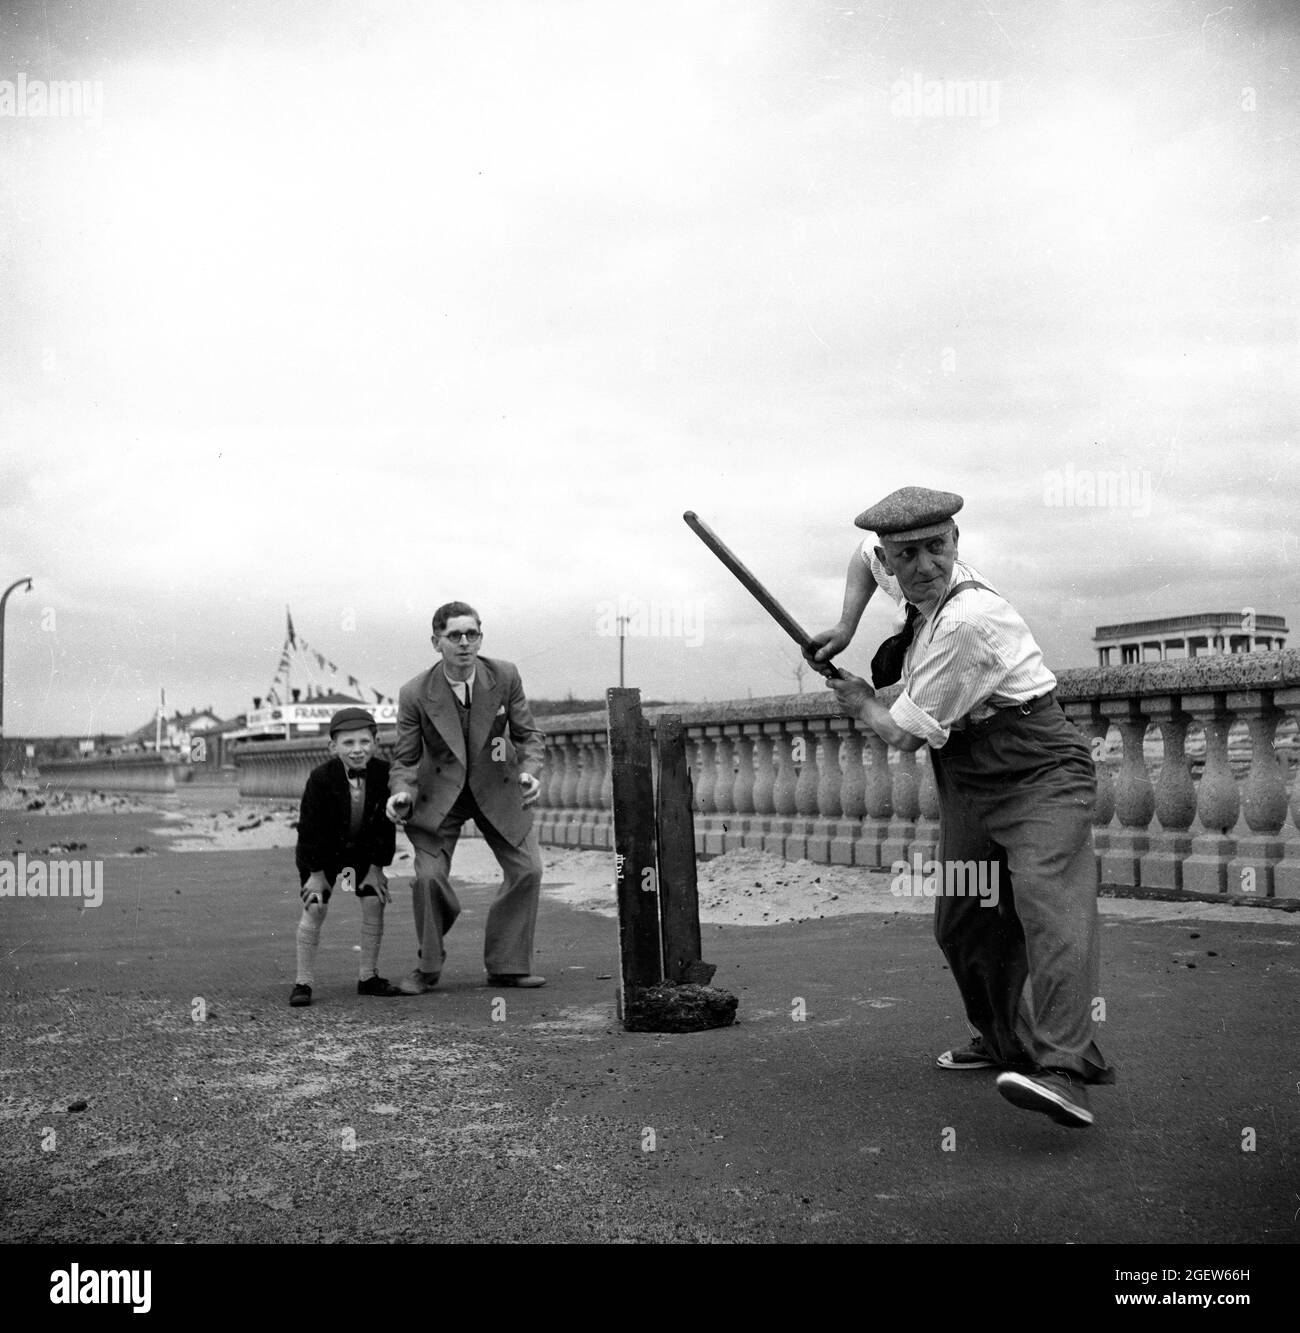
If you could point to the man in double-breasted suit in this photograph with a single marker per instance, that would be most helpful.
(468, 748)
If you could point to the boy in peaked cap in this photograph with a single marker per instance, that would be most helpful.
(344, 839)
(1016, 787)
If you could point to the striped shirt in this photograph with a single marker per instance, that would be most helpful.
(978, 657)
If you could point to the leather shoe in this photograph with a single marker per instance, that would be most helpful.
(418, 982)
(523, 979)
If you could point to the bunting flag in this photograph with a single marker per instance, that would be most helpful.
(295, 673)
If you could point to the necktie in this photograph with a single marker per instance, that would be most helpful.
(887, 665)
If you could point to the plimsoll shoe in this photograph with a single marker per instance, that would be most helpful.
(975, 1056)
(378, 985)
(418, 982)
(1051, 1091)
(300, 995)
(521, 979)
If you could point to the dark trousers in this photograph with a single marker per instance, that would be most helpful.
(512, 918)
(1016, 792)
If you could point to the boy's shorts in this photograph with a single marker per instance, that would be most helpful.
(359, 873)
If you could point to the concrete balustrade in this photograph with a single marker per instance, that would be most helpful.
(146, 773)
(788, 775)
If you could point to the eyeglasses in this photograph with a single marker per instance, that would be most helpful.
(463, 635)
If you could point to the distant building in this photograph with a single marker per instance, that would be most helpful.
(177, 731)
(1177, 637)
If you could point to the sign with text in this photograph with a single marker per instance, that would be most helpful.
(309, 715)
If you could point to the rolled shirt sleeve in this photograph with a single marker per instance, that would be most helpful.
(957, 671)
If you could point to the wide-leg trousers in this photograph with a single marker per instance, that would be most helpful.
(1017, 792)
(512, 918)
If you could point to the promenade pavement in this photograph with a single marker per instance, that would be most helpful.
(486, 1115)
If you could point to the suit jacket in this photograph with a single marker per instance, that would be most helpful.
(430, 762)
(326, 813)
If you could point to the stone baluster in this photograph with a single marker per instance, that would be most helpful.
(559, 815)
(703, 781)
(926, 842)
(879, 797)
(897, 843)
(605, 830)
(826, 793)
(724, 781)
(764, 787)
(569, 791)
(783, 791)
(1087, 716)
(1218, 803)
(742, 791)
(1286, 874)
(803, 753)
(1263, 799)
(582, 797)
(853, 791)
(588, 790)
(1175, 798)
(554, 781)
(1135, 799)
(702, 775)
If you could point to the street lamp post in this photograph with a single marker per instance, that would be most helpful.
(17, 583)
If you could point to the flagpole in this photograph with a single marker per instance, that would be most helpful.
(157, 731)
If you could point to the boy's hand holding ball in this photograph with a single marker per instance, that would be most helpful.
(398, 808)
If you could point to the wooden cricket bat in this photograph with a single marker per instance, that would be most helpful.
(759, 593)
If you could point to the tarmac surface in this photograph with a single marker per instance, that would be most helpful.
(214, 1112)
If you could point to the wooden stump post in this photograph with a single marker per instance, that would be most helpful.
(636, 876)
(647, 1002)
(679, 902)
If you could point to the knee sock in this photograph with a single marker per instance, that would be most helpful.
(308, 940)
(372, 931)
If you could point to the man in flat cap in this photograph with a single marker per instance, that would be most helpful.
(1016, 792)
(468, 748)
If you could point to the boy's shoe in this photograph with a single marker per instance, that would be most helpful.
(378, 985)
(975, 1056)
(300, 995)
(418, 982)
(523, 979)
(1052, 1091)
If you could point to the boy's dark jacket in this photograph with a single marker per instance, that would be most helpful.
(326, 812)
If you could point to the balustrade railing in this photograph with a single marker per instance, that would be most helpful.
(1195, 765)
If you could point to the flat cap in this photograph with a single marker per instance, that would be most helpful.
(910, 514)
(351, 719)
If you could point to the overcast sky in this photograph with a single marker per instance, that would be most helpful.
(361, 307)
